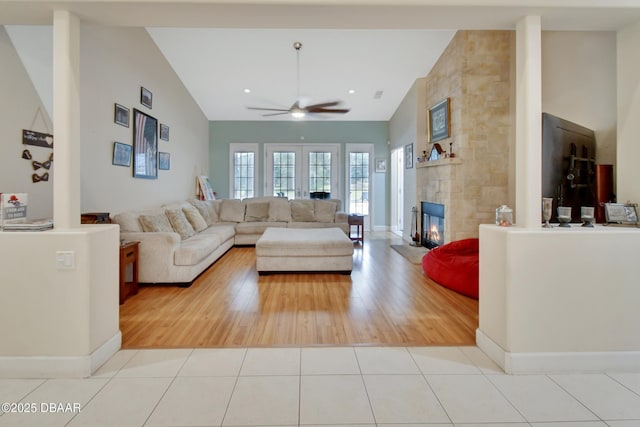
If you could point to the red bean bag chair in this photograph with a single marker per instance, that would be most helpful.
(455, 266)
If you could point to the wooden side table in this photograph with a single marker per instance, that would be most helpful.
(358, 222)
(128, 256)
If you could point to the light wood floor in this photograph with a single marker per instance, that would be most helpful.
(386, 301)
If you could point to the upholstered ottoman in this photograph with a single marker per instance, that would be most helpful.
(295, 249)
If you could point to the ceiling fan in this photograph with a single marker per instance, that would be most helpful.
(296, 110)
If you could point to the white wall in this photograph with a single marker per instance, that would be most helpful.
(18, 111)
(579, 83)
(628, 158)
(403, 130)
(116, 62)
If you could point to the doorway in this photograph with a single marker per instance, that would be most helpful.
(397, 195)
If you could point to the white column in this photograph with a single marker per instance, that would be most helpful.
(66, 119)
(528, 122)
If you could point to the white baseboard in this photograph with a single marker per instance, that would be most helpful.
(59, 366)
(558, 362)
(381, 228)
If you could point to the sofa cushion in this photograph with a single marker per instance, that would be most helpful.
(257, 211)
(302, 211)
(325, 210)
(195, 219)
(257, 227)
(232, 210)
(195, 249)
(203, 208)
(279, 210)
(128, 221)
(155, 222)
(222, 230)
(180, 223)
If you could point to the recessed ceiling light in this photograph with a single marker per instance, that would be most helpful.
(247, 91)
(352, 91)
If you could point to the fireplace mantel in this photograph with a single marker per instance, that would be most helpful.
(442, 162)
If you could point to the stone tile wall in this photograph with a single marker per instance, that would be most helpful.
(476, 73)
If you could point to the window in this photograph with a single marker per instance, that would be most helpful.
(243, 170)
(284, 174)
(319, 174)
(307, 171)
(359, 183)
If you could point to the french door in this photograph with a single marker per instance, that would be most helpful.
(300, 171)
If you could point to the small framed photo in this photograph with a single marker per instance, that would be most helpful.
(164, 161)
(381, 165)
(146, 97)
(121, 115)
(121, 154)
(621, 213)
(408, 156)
(164, 132)
(439, 121)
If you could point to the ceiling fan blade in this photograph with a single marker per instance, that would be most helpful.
(275, 114)
(323, 105)
(329, 110)
(267, 109)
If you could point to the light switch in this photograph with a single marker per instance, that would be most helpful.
(65, 260)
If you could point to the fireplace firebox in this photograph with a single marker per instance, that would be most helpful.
(432, 224)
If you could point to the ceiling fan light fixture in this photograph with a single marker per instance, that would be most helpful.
(297, 114)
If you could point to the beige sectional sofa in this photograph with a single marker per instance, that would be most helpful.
(178, 241)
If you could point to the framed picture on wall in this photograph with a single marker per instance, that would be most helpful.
(121, 154)
(164, 132)
(439, 121)
(408, 156)
(146, 97)
(381, 165)
(164, 161)
(121, 115)
(145, 145)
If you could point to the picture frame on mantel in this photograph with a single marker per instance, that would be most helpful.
(439, 121)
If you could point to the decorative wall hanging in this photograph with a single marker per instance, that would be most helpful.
(26, 154)
(439, 121)
(121, 115)
(408, 156)
(381, 165)
(37, 165)
(145, 145)
(164, 161)
(121, 154)
(146, 97)
(164, 132)
(31, 137)
(37, 178)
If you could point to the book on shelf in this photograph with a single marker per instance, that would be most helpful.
(204, 190)
(13, 208)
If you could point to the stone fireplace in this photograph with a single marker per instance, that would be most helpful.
(432, 224)
(475, 72)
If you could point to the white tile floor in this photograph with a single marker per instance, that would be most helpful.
(363, 386)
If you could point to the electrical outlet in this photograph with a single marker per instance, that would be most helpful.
(65, 260)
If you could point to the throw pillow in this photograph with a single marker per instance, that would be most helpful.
(325, 210)
(154, 223)
(279, 210)
(257, 211)
(302, 211)
(202, 207)
(195, 219)
(180, 223)
(232, 210)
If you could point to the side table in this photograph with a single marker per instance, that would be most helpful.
(128, 256)
(358, 222)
